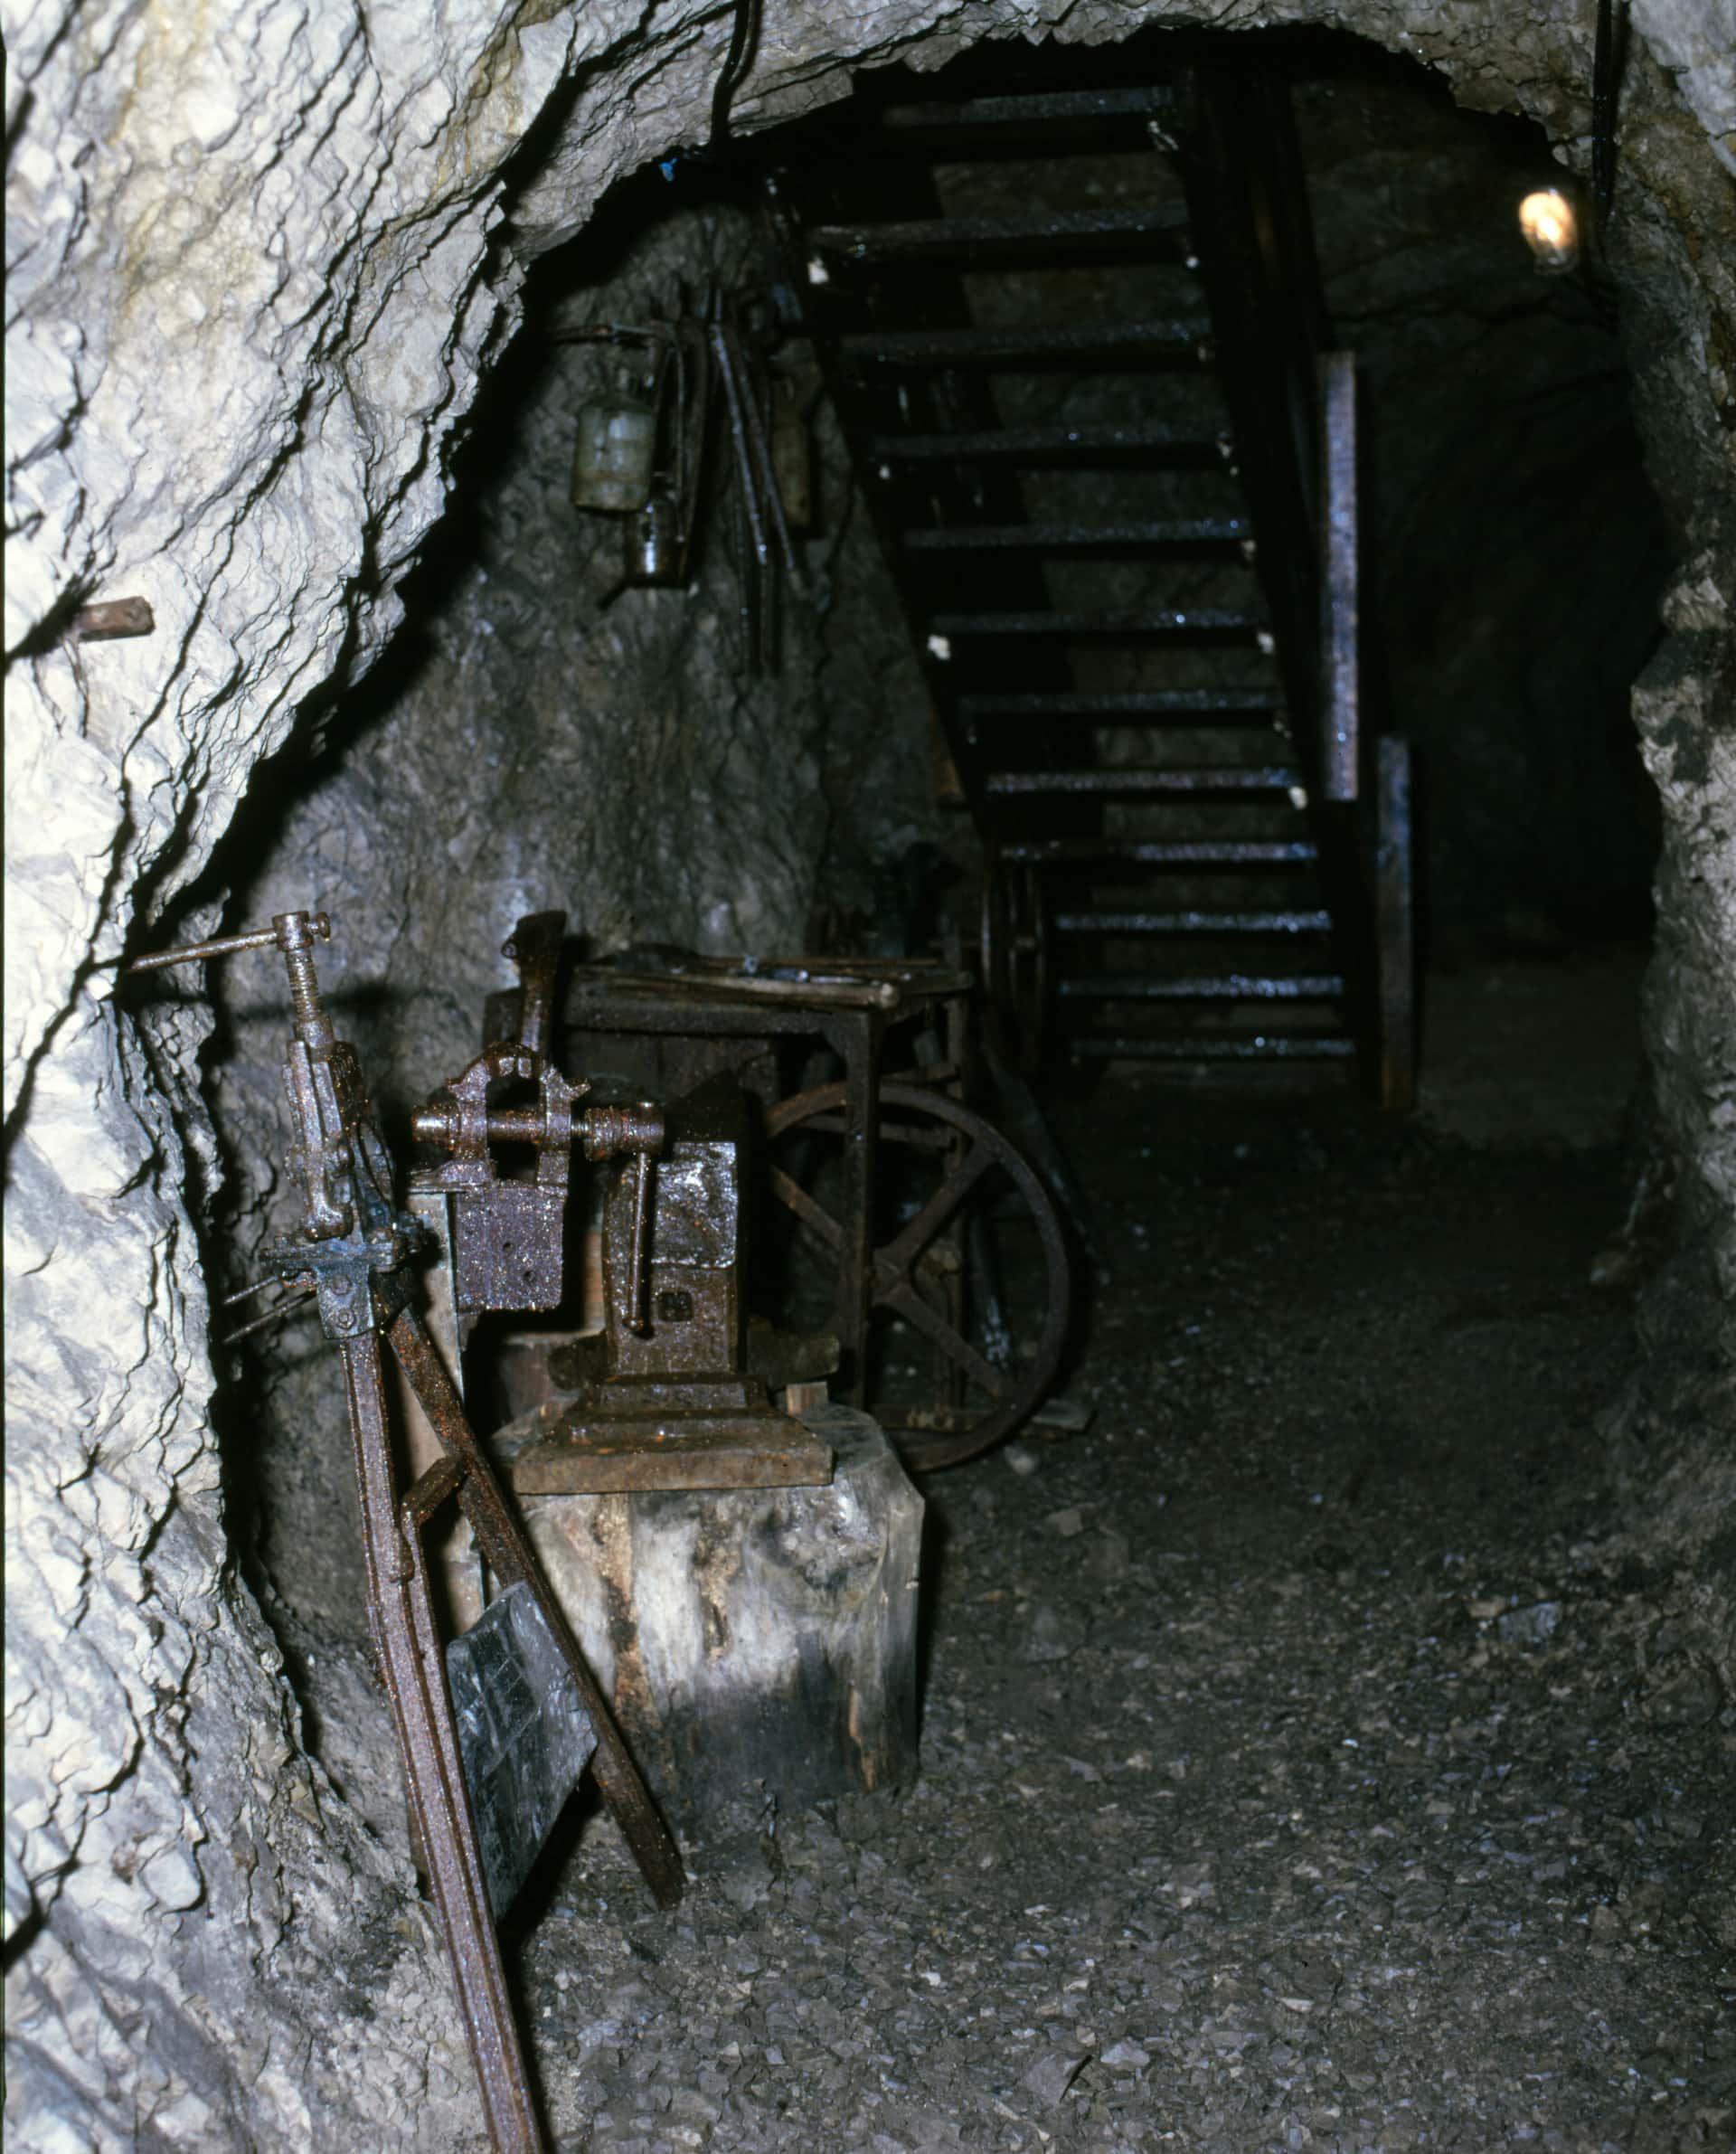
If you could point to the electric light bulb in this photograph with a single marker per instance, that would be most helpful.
(1550, 228)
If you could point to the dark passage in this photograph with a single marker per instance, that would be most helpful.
(1116, 339)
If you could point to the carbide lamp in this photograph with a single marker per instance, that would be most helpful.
(1551, 230)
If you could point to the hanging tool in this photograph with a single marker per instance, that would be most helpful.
(746, 396)
(647, 458)
(615, 455)
(760, 508)
(697, 364)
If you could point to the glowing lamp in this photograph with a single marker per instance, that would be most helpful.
(1551, 230)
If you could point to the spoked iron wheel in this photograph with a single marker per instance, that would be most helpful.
(975, 1265)
(1016, 952)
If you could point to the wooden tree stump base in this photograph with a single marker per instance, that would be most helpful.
(750, 1635)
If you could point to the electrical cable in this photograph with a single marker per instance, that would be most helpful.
(1610, 51)
(743, 37)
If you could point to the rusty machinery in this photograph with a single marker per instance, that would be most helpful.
(993, 1349)
(904, 1199)
(667, 1394)
(473, 1718)
(494, 1728)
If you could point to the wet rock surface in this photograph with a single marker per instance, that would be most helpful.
(1306, 1762)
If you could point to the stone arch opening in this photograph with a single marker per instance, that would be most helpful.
(168, 1837)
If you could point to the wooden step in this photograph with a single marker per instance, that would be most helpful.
(1172, 1047)
(1078, 447)
(1229, 986)
(1105, 923)
(1125, 707)
(1066, 344)
(1236, 852)
(1152, 231)
(1202, 533)
(1148, 782)
(1033, 108)
(1217, 624)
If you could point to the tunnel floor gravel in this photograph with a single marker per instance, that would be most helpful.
(1305, 1764)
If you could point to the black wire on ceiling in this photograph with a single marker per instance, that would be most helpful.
(1610, 51)
(744, 35)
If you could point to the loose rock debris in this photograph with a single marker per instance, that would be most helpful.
(1338, 1783)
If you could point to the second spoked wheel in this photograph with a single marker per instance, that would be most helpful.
(1015, 953)
(971, 1284)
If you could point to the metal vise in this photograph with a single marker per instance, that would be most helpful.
(671, 1402)
(506, 1239)
(695, 1337)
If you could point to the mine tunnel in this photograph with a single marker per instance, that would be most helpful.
(871, 1018)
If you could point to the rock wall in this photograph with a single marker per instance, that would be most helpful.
(253, 278)
(259, 260)
(1673, 1429)
(1673, 251)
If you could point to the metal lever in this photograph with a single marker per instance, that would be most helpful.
(288, 930)
(293, 935)
(640, 1130)
(534, 947)
(641, 1197)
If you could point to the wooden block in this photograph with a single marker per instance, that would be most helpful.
(752, 1635)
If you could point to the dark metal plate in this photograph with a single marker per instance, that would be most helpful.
(524, 1735)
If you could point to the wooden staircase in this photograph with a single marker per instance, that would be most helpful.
(1074, 334)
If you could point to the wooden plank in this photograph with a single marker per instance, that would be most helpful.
(754, 1452)
(1339, 599)
(1394, 927)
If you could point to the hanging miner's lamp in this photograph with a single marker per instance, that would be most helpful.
(1551, 228)
(615, 455)
(657, 545)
